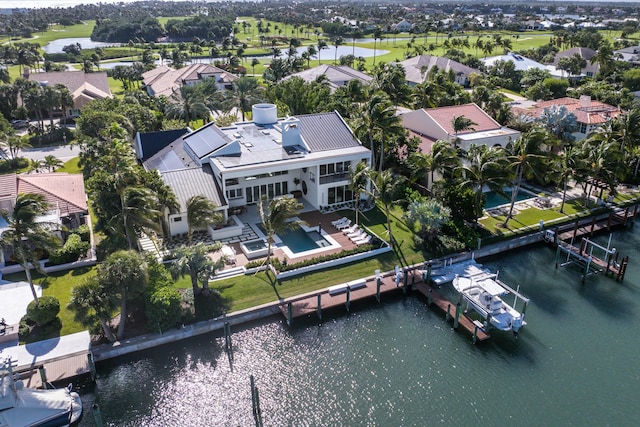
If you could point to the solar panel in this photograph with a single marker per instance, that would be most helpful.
(205, 141)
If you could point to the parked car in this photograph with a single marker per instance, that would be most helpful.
(20, 124)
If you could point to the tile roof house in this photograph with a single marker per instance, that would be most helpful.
(417, 68)
(307, 156)
(84, 87)
(432, 124)
(337, 75)
(64, 193)
(164, 80)
(589, 114)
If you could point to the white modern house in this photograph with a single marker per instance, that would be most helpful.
(307, 157)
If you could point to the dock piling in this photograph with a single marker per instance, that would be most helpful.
(319, 306)
(97, 415)
(457, 318)
(475, 334)
(448, 315)
(378, 282)
(92, 366)
(348, 303)
(289, 314)
(430, 297)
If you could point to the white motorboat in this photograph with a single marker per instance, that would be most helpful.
(21, 407)
(485, 293)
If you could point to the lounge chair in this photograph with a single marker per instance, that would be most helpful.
(339, 221)
(351, 229)
(344, 225)
(356, 234)
(360, 237)
(363, 241)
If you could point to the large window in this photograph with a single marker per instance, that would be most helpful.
(339, 194)
(272, 190)
(234, 193)
(333, 172)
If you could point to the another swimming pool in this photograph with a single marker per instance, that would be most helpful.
(493, 199)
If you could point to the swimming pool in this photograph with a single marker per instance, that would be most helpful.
(302, 240)
(493, 199)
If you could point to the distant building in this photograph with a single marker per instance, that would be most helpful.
(521, 63)
(84, 87)
(417, 68)
(589, 114)
(629, 54)
(403, 26)
(585, 53)
(336, 75)
(165, 80)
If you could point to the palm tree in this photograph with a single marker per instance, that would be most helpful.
(200, 212)
(386, 187)
(603, 57)
(35, 165)
(337, 42)
(322, 44)
(565, 167)
(254, 62)
(484, 167)
(125, 273)
(461, 124)
(27, 236)
(430, 214)
(195, 262)
(377, 35)
(52, 162)
(274, 216)
(188, 103)
(311, 50)
(525, 159)
(246, 92)
(358, 181)
(93, 302)
(138, 210)
(375, 119)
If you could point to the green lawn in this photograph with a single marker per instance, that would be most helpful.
(71, 166)
(59, 285)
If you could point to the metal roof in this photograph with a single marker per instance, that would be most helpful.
(187, 183)
(326, 131)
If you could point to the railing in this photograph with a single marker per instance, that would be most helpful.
(327, 179)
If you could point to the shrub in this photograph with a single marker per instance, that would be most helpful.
(45, 312)
(56, 136)
(73, 248)
(163, 308)
(83, 232)
(13, 165)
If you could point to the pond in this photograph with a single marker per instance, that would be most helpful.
(85, 43)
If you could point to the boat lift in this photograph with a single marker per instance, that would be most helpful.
(607, 260)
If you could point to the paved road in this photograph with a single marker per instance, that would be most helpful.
(62, 152)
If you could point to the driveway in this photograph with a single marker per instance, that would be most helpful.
(62, 152)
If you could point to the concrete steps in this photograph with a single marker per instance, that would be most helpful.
(224, 274)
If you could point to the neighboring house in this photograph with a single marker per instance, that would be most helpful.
(432, 124)
(64, 193)
(629, 54)
(417, 68)
(165, 80)
(585, 53)
(403, 26)
(336, 75)
(307, 156)
(84, 87)
(589, 114)
(521, 63)
(532, 25)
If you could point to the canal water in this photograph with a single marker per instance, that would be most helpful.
(399, 363)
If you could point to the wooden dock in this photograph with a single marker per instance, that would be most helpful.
(616, 218)
(317, 302)
(449, 308)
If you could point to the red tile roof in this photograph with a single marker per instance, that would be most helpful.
(595, 112)
(61, 190)
(444, 115)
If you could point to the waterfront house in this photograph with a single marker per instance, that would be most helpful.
(432, 124)
(417, 68)
(589, 114)
(84, 87)
(307, 157)
(63, 192)
(165, 80)
(403, 26)
(335, 75)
